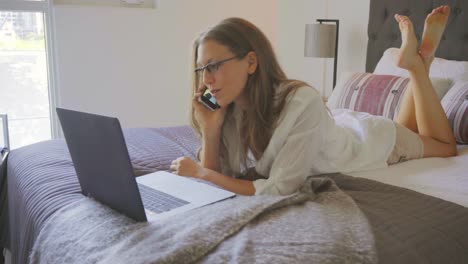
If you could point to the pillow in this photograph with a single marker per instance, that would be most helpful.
(455, 104)
(440, 68)
(153, 149)
(375, 94)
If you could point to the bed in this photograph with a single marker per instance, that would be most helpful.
(411, 212)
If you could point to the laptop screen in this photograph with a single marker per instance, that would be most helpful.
(102, 163)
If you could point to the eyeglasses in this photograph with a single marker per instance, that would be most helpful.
(213, 67)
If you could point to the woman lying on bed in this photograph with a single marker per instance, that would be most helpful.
(270, 133)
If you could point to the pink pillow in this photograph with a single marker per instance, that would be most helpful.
(376, 94)
(366, 92)
(455, 104)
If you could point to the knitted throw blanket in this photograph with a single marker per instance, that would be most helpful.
(318, 224)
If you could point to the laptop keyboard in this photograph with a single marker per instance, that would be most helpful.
(157, 201)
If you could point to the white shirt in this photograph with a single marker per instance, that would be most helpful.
(309, 140)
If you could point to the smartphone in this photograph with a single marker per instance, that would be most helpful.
(208, 100)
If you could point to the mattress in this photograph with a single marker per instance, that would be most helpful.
(444, 178)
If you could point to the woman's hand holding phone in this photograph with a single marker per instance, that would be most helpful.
(210, 121)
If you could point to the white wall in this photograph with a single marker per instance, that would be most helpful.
(134, 63)
(292, 18)
(352, 46)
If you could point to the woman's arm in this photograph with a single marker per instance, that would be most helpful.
(185, 166)
(243, 187)
(209, 153)
(211, 126)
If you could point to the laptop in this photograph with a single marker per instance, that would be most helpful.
(105, 173)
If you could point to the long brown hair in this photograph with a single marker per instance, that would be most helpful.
(258, 123)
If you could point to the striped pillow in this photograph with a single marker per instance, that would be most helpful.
(455, 104)
(376, 94)
(365, 92)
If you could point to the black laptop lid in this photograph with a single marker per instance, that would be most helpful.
(99, 153)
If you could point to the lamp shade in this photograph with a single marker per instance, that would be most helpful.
(320, 40)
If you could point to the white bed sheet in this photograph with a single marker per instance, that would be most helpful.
(445, 178)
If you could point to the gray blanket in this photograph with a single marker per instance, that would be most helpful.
(319, 224)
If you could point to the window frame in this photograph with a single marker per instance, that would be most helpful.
(44, 7)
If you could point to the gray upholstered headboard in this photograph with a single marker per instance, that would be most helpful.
(383, 31)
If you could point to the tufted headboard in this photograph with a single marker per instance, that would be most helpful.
(383, 31)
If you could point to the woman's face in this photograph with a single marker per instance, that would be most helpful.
(227, 83)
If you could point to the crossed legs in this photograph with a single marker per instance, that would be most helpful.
(421, 110)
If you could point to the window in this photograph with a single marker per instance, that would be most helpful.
(25, 67)
(114, 3)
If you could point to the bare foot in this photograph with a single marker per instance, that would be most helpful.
(433, 29)
(408, 56)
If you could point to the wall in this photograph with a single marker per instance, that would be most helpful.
(292, 18)
(353, 16)
(134, 63)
